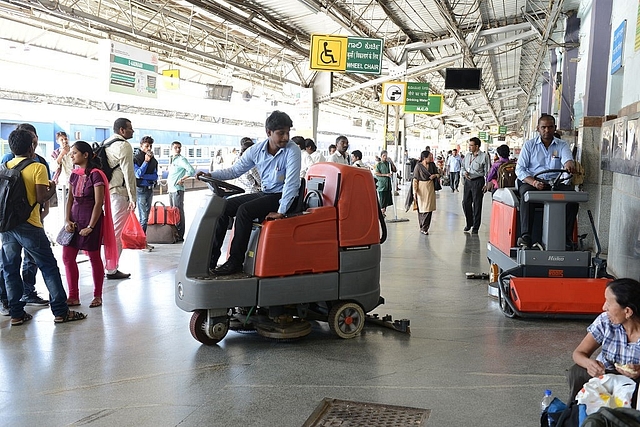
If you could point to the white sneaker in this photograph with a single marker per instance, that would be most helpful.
(149, 248)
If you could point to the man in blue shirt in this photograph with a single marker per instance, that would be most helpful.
(278, 162)
(538, 154)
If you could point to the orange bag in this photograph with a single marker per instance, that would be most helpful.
(133, 236)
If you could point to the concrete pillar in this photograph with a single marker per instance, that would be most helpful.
(595, 91)
(546, 94)
(598, 183)
(569, 70)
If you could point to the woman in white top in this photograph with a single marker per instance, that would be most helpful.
(250, 181)
(313, 156)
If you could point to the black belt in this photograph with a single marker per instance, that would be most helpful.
(476, 178)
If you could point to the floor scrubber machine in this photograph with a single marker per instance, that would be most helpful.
(546, 280)
(319, 263)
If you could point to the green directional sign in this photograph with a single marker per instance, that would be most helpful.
(482, 136)
(433, 105)
(417, 94)
(502, 130)
(364, 55)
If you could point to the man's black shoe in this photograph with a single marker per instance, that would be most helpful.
(524, 241)
(466, 229)
(474, 231)
(229, 267)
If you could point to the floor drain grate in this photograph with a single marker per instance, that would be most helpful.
(344, 413)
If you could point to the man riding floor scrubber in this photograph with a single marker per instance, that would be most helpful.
(319, 263)
(547, 280)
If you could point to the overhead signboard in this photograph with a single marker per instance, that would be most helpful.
(349, 54)
(433, 106)
(417, 93)
(483, 136)
(364, 55)
(328, 53)
(393, 93)
(132, 71)
(502, 130)
(171, 79)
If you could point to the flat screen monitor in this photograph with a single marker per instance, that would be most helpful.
(219, 92)
(463, 78)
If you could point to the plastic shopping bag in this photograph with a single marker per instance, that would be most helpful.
(609, 391)
(133, 236)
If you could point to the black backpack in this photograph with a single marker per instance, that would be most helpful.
(14, 205)
(613, 417)
(100, 150)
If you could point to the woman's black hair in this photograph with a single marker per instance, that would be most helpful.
(308, 143)
(627, 293)
(93, 161)
(425, 155)
(503, 151)
(245, 143)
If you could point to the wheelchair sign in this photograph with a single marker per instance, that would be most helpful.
(328, 53)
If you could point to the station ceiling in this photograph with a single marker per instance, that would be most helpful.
(266, 44)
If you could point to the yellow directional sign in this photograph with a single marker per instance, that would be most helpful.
(328, 52)
(394, 93)
(171, 79)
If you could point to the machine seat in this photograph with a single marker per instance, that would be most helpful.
(508, 196)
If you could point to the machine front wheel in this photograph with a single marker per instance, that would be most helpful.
(346, 319)
(208, 334)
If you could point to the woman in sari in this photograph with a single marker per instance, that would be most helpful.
(424, 193)
(384, 171)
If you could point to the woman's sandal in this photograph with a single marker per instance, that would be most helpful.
(97, 302)
(71, 316)
(73, 302)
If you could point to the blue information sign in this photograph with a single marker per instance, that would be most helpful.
(617, 48)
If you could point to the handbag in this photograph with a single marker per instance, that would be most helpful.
(160, 214)
(133, 236)
(64, 237)
(436, 185)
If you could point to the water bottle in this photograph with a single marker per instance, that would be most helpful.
(546, 400)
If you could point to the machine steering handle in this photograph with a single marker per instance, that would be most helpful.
(553, 183)
(220, 188)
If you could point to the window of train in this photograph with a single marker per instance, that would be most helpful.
(156, 151)
(102, 134)
(190, 152)
(165, 152)
(199, 152)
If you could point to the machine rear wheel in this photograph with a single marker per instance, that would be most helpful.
(346, 319)
(198, 327)
(504, 304)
